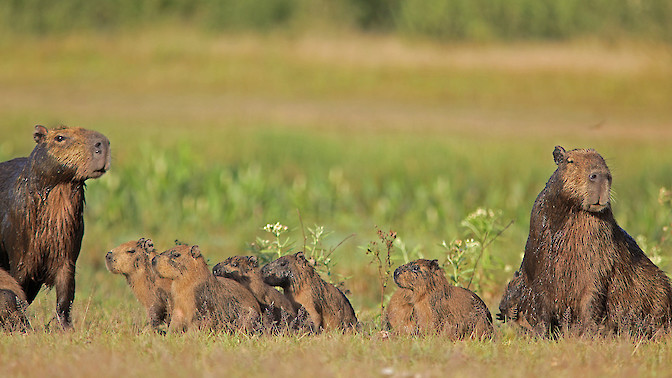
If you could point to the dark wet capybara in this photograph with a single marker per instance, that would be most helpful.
(41, 206)
(439, 307)
(133, 260)
(245, 270)
(581, 271)
(327, 307)
(201, 300)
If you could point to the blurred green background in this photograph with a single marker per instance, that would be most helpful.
(407, 115)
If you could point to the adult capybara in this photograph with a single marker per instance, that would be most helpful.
(132, 260)
(41, 205)
(245, 270)
(326, 305)
(399, 314)
(580, 270)
(12, 304)
(438, 306)
(200, 299)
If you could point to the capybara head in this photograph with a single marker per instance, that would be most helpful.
(586, 180)
(179, 261)
(286, 269)
(417, 274)
(129, 256)
(77, 153)
(236, 267)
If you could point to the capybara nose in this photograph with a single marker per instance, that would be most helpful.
(108, 256)
(215, 270)
(396, 273)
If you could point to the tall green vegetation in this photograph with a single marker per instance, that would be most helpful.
(455, 20)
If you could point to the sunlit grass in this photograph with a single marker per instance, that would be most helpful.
(213, 137)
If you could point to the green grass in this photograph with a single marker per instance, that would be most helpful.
(215, 136)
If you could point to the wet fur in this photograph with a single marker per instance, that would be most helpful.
(201, 300)
(245, 270)
(327, 307)
(439, 307)
(581, 271)
(41, 205)
(133, 260)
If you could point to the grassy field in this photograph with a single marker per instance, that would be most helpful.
(213, 137)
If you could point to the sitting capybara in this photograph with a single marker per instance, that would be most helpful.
(132, 259)
(202, 300)
(438, 306)
(580, 270)
(245, 270)
(399, 314)
(41, 205)
(326, 305)
(12, 304)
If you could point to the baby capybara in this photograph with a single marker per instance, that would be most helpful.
(438, 306)
(581, 271)
(201, 300)
(133, 260)
(12, 304)
(326, 305)
(41, 206)
(245, 270)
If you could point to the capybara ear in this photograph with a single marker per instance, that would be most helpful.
(254, 260)
(146, 244)
(558, 154)
(40, 133)
(300, 255)
(434, 264)
(195, 252)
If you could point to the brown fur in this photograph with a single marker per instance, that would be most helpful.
(581, 271)
(41, 205)
(326, 305)
(399, 314)
(12, 304)
(132, 260)
(438, 306)
(202, 300)
(245, 270)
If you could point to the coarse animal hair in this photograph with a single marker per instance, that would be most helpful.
(201, 300)
(41, 206)
(581, 272)
(326, 305)
(438, 306)
(132, 259)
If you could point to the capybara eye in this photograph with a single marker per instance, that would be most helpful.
(59, 138)
(234, 264)
(570, 160)
(592, 177)
(176, 255)
(131, 251)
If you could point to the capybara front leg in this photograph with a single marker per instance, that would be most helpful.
(65, 295)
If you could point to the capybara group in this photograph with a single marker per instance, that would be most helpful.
(438, 306)
(200, 300)
(133, 260)
(41, 205)
(245, 270)
(326, 305)
(12, 304)
(581, 271)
